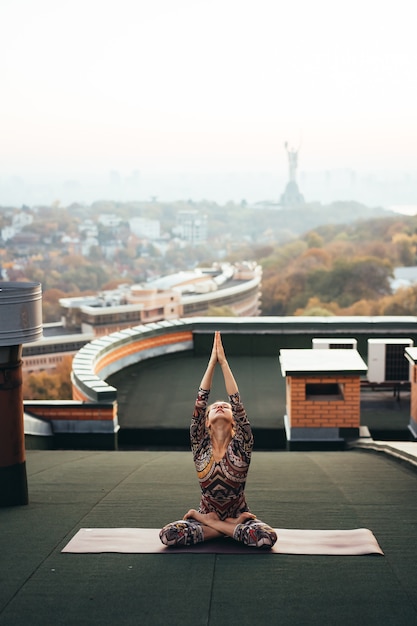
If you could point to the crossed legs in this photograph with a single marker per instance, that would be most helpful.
(214, 527)
(196, 527)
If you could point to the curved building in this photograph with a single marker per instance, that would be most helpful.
(184, 294)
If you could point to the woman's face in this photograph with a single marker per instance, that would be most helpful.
(219, 411)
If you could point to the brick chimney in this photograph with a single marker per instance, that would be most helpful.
(322, 396)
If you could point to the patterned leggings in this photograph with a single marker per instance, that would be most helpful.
(188, 532)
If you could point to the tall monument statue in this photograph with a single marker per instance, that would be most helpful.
(292, 195)
(292, 161)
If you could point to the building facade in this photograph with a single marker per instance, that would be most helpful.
(184, 294)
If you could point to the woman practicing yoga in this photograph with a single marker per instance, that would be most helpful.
(221, 442)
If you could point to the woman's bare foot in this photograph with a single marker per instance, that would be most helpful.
(243, 517)
(191, 513)
(203, 518)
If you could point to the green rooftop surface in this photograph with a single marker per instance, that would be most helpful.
(69, 490)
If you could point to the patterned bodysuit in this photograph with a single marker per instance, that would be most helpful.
(222, 482)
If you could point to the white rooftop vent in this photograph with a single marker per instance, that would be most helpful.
(329, 343)
(387, 361)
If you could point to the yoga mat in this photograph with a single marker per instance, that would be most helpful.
(290, 541)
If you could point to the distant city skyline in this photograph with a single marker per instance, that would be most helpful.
(391, 190)
(195, 99)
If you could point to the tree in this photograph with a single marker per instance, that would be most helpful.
(50, 384)
(406, 248)
(315, 307)
(351, 280)
(50, 304)
(402, 302)
(314, 240)
(220, 311)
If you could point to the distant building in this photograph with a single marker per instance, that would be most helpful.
(404, 277)
(109, 220)
(185, 294)
(48, 353)
(145, 228)
(22, 219)
(71, 244)
(89, 228)
(8, 232)
(18, 222)
(236, 287)
(191, 227)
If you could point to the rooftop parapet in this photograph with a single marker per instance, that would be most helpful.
(102, 357)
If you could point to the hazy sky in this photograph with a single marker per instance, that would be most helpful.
(90, 86)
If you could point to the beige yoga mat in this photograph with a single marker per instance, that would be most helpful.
(290, 541)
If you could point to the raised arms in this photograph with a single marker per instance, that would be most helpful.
(218, 356)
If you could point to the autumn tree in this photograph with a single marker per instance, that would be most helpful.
(50, 304)
(54, 384)
(351, 280)
(220, 311)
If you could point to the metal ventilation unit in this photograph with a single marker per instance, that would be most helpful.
(387, 362)
(326, 343)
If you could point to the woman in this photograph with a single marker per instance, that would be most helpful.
(221, 442)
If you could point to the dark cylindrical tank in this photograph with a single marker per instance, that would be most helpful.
(20, 322)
